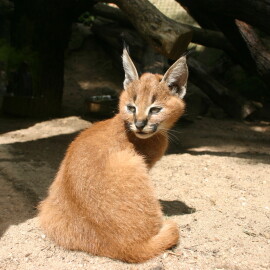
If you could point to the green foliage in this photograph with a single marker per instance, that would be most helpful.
(4, 51)
(11, 58)
(86, 18)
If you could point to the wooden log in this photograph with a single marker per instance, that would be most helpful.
(233, 104)
(242, 37)
(109, 12)
(211, 38)
(253, 12)
(259, 53)
(203, 15)
(154, 62)
(160, 31)
(205, 37)
(145, 58)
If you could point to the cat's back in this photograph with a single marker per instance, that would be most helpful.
(99, 140)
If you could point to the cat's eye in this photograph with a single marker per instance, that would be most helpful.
(131, 108)
(155, 110)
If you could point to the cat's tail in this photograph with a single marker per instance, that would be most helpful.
(167, 237)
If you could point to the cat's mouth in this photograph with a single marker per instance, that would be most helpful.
(144, 135)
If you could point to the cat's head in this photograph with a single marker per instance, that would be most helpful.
(152, 103)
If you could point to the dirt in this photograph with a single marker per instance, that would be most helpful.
(214, 182)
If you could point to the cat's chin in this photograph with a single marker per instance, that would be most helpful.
(144, 135)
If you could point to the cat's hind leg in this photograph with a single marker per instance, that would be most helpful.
(167, 237)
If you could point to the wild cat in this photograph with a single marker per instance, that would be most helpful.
(102, 200)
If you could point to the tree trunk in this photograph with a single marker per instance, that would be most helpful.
(6, 9)
(45, 27)
(52, 33)
(160, 31)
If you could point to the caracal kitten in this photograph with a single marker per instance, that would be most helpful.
(102, 200)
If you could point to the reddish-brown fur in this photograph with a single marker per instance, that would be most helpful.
(102, 200)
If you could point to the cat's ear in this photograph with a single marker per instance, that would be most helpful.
(176, 77)
(131, 73)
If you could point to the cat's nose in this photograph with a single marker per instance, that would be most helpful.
(140, 124)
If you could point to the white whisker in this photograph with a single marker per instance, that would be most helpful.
(172, 137)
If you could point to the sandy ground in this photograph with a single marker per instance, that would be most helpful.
(214, 182)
